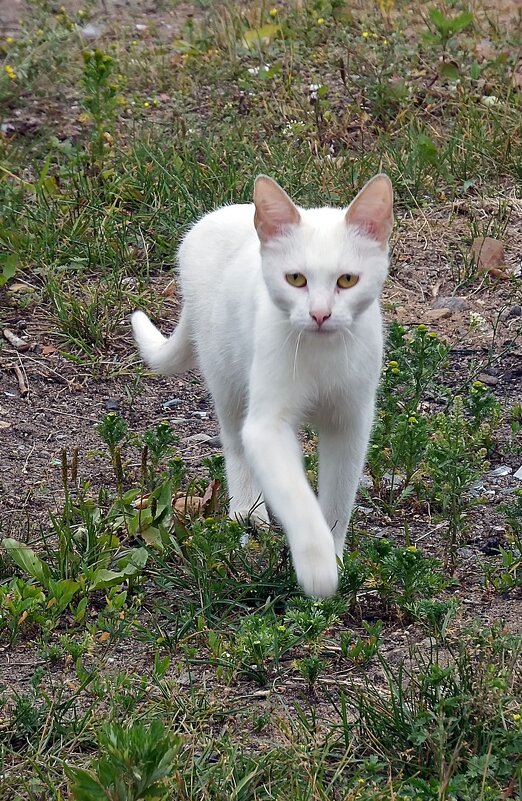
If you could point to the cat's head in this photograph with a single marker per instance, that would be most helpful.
(324, 267)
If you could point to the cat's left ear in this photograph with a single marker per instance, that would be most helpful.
(372, 210)
(274, 209)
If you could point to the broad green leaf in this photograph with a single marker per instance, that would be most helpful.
(64, 591)
(427, 150)
(461, 21)
(8, 265)
(449, 70)
(152, 536)
(26, 558)
(263, 35)
(103, 579)
(136, 558)
(86, 786)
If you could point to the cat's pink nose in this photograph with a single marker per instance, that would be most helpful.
(320, 317)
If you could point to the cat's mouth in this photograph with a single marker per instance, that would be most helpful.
(322, 331)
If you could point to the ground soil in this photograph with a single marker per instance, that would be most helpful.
(63, 402)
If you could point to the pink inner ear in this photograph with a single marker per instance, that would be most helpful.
(274, 209)
(372, 227)
(372, 210)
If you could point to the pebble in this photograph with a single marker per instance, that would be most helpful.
(173, 403)
(503, 470)
(515, 311)
(112, 405)
(466, 553)
(198, 438)
(453, 303)
(437, 314)
(489, 380)
(518, 474)
(200, 415)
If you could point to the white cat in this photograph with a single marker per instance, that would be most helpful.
(281, 314)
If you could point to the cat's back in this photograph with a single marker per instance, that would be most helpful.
(216, 239)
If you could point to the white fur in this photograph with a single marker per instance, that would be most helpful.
(270, 367)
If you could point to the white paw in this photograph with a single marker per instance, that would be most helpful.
(316, 570)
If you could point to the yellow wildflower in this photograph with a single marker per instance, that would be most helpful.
(273, 12)
(320, 21)
(146, 104)
(365, 34)
(11, 74)
(9, 40)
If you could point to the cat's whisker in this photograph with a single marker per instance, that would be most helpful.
(295, 354)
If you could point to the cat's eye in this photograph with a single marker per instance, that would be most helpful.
(296, 279)
(347, 280)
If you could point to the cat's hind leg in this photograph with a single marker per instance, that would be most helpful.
(341, 458)
(246, 500)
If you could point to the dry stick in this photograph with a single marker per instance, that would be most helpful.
(22, 383)
(16, 341)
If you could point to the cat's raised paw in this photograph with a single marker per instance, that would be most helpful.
(318, 576)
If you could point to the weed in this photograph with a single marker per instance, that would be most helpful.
(136, 760)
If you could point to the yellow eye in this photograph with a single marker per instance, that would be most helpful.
(347, 280)
(296, 279)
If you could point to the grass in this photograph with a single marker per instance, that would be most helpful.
(158, 658)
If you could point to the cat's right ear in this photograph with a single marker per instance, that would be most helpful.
(372, 210)
(274, 209)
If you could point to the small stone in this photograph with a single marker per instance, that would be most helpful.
(489, 380)
(488, 254)
(515, 311)
(503, 470)
(466, 553)
(453, 303)
(437, 314)
(492, 546)
(179, 420)
(518, 474)
(200, 415)
(112, 405)
(198, 438)
(173, 403)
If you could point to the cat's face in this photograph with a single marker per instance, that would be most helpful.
(323, 267)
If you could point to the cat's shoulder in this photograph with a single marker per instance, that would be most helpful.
(230, 213)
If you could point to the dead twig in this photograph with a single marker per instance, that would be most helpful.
(16, 341)
(22, 383)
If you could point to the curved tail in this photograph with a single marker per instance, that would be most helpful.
(165, 356)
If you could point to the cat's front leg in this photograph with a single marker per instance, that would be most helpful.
(342, 451)
(273, 451)
(246, 501)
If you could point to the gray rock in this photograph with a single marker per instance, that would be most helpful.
(503, 470)
(489, 380)
(173, 403)
(453, 303)
(198, 438)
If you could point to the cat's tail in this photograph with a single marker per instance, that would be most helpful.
(165, 356)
